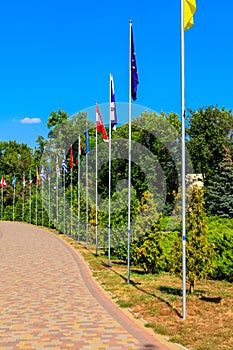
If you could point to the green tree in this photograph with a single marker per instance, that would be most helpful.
(154, 139)
(199, 251)
(209, 129)
(221, 235)
(219, 192)
(149, 251)
(55, 119)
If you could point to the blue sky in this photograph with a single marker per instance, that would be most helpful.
(58, 54)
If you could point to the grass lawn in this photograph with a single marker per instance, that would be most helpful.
(158, 301)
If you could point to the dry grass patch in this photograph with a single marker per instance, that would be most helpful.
(158, 300)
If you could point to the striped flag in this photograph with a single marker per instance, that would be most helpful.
(100, 125)
(43, 173)
(112, 104)
(24, 181)
(64, 166)
(3, 183)
(37, 177)
(30, 178)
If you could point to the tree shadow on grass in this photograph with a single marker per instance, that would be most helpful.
(170, 290)
(135, 285)
(215, 300)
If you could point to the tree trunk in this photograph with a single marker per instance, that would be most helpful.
(191, 287)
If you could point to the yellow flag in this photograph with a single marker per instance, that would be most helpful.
(189, 10)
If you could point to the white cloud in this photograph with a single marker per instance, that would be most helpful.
(30, 120)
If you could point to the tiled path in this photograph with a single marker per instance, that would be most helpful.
(48, 299)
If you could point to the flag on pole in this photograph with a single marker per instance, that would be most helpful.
(57, 168)
(79, 151)
(37, 177)
(87, 140)
(13, 181)
(134, 72)
(64, 166)
(71, 157)
(100, 125)
(30, 178)
(24, 181)
(3, 183)
(43, 173)
(113, 115)
(189, 10)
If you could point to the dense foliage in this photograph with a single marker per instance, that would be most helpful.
(155, 207)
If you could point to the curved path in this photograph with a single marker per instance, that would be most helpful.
(48, 299)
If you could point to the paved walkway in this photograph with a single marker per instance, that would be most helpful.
(48, 299)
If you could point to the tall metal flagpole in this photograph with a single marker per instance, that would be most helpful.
(79, 159)
(183, 164)
(23, 198)
(129, 150)
(71, 191)
(42, 203)
(2, 204)
(96, 191)
(36, 198)
(30, 198)
(86, 187)
(57, 202)
(49, 184)
(14, 204)
(64, 200)
(71, 203)
(109, 176)
(14, 200)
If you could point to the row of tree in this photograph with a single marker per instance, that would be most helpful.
(156, 180)
(209, 136)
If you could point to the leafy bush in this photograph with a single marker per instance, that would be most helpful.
(221, 235)
(149, 252)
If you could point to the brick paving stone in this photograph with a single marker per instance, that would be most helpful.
(48, 299)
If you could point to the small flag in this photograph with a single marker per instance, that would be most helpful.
(189, 10)
(100, 125)
(79, 147)
(37, 177)
(13, 181)
(79, 150)
(49, 170)
(43, 173)
(87, 140)
(64, 166)
(30, 178)
(71, 157)
(57, 168)
(3, 183)
(134, 72)
(112, 105)
(24, 181)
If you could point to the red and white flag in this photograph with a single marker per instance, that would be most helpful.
(100, 125)
(3, 182)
